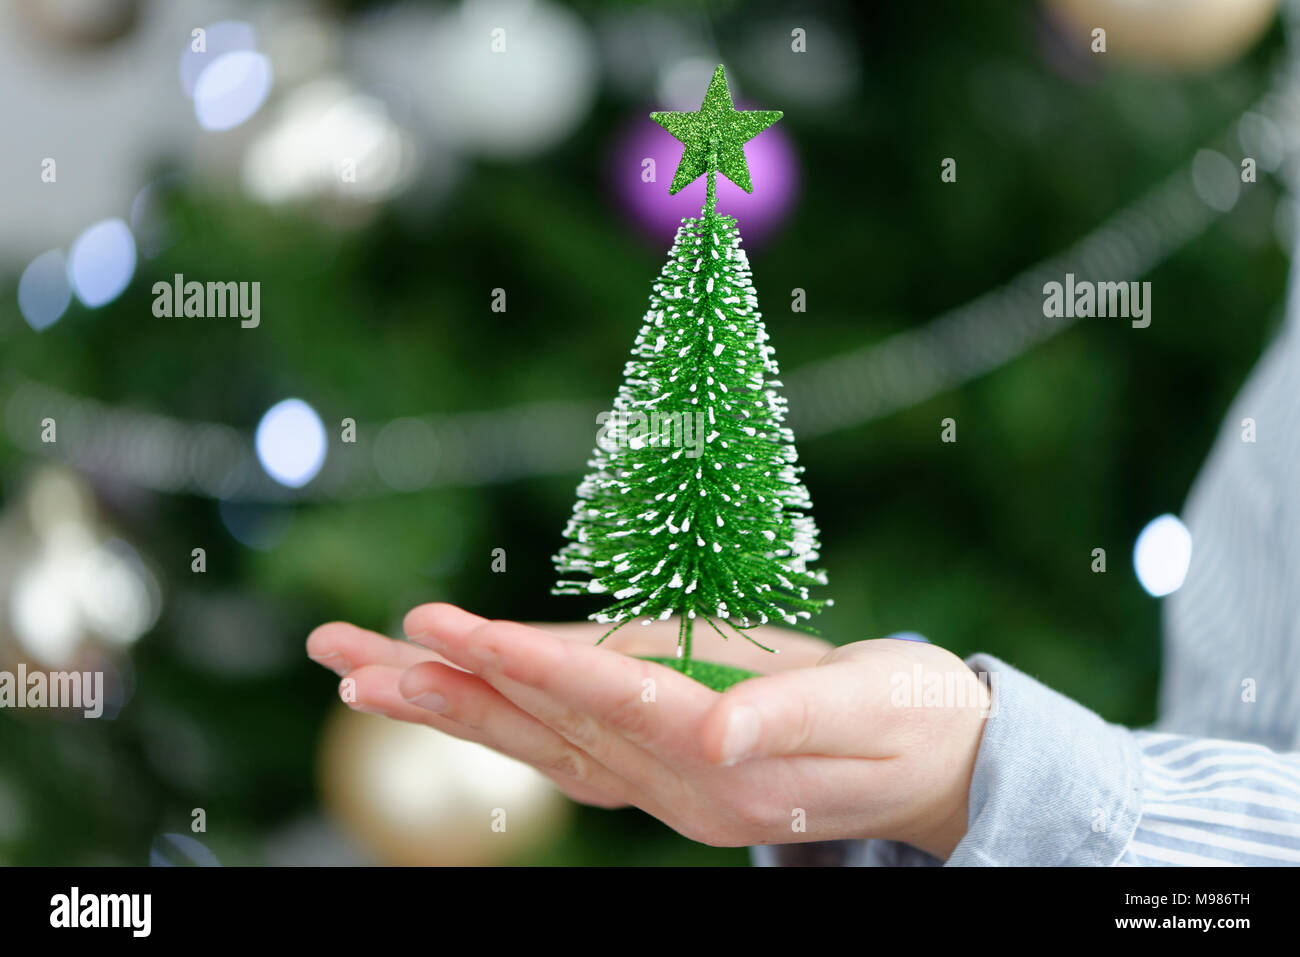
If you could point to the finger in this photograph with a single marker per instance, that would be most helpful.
(474, 705)
(659, 639)
(638, 719)
(832, 710)
(433, 624)
(376, 689)
(856, 704)
(374, 698)
(342, 647)
(584, 795)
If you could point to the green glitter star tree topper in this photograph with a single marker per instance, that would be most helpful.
(694, 505)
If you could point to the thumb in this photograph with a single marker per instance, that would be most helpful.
(833, 710)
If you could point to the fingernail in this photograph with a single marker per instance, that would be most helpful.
(334, 662)
(367, 708)
(909, 636)
(430, 701)
(741, 736)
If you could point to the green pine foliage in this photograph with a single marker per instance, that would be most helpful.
(694, 505)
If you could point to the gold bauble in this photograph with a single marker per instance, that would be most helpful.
(411, 795)
(1174, 34)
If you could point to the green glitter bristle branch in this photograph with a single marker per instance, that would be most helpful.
(694, 504)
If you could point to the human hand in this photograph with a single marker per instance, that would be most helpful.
(376, 665)
(821, 742)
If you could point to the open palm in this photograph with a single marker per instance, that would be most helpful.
(816, 749)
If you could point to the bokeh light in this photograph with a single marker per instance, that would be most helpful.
(102, 262)
(328, 139)
(255, 525)
(1192, 35)
(180, 850)
(1162, 555)
(42, 617)
(475, 421)
(74, 584)
(290, 443)
(415, 798)
(43, 290)
(681, 81)
(231, 89)
(218, 39)
(512, 101)
(150, 225)
(797, 79)
(406, 453)
(1216, 180)
(1262, 139)
(116, 595)
(773, 169)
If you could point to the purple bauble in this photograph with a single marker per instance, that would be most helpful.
(773, 169)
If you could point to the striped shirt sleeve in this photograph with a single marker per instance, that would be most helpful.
(1055, 785)
(1208, 802)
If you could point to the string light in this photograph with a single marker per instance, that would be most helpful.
(291, 443)
(840, 392)
(231, 89)
(102, 262)
(43, 290)
(1162, 555)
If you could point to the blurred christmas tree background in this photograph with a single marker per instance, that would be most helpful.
(522, 170)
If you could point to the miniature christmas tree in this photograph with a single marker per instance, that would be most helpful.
(694, 504)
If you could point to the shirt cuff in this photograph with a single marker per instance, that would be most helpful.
(1054, 784)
